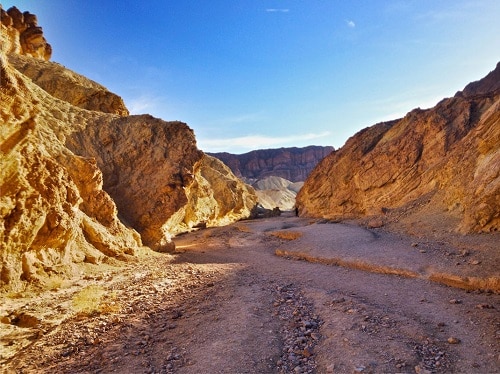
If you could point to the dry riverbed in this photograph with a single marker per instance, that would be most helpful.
(278, 295)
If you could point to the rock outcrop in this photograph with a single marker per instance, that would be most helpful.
(83, 183)
(293, 164)
(57, 80)
(447, 157)
(22, 35)
(54, 212)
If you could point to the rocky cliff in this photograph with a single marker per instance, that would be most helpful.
(84, 183)
(293, 164)
(443, 161)
(22, 35)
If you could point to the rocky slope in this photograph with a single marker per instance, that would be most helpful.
(84, 183)
(440, 164)
(276, 174)
(293, 164)
(278, 192)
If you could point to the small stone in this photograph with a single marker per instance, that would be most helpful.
(484, 306)
(421, 370)
(375, 223)
(453, 340)
(455, 301)
(475, 262)
(307, 352)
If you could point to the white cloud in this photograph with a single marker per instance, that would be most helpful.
(350, 23)
(277, 10)
(251, 142)
(142, 104)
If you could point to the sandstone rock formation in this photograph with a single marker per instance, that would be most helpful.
(54, 212)
(293, 164)
(447, 158)
(22, 35)
(56, 79)
(82, 182)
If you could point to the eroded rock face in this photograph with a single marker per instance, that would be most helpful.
(22, 35)
(450, 153)
(54, 212)
(216, 198)
(148, 166)
(69, 86)
(84, 183)
(293, 164)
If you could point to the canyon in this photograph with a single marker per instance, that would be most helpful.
(125, 248)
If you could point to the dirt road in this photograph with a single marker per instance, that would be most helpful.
(226, 303)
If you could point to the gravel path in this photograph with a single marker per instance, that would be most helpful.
(225, 303)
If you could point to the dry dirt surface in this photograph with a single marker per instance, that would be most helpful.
(277, 295)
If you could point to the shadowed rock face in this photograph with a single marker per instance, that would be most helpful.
(82, 182)
(450, 153)
(293, 164)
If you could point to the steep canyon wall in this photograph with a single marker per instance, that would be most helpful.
(82, 182)
(450, 154)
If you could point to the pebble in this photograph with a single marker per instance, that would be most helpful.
(453, 340)
(300, 330)
(484, 306)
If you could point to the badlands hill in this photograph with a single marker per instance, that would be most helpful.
(434, 167)
(82, 182)
(276, 174)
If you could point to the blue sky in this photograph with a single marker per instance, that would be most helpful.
(255, 74)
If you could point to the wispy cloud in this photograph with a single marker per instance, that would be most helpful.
(250, 142)
(350, 23)
(277, 10)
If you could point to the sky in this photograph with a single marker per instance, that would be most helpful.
(254, 74)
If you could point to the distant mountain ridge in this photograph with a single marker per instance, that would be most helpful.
(293, 164)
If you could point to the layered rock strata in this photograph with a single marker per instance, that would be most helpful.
(448, 155)
(293, 164)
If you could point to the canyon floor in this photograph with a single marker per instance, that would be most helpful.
(278, 295)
